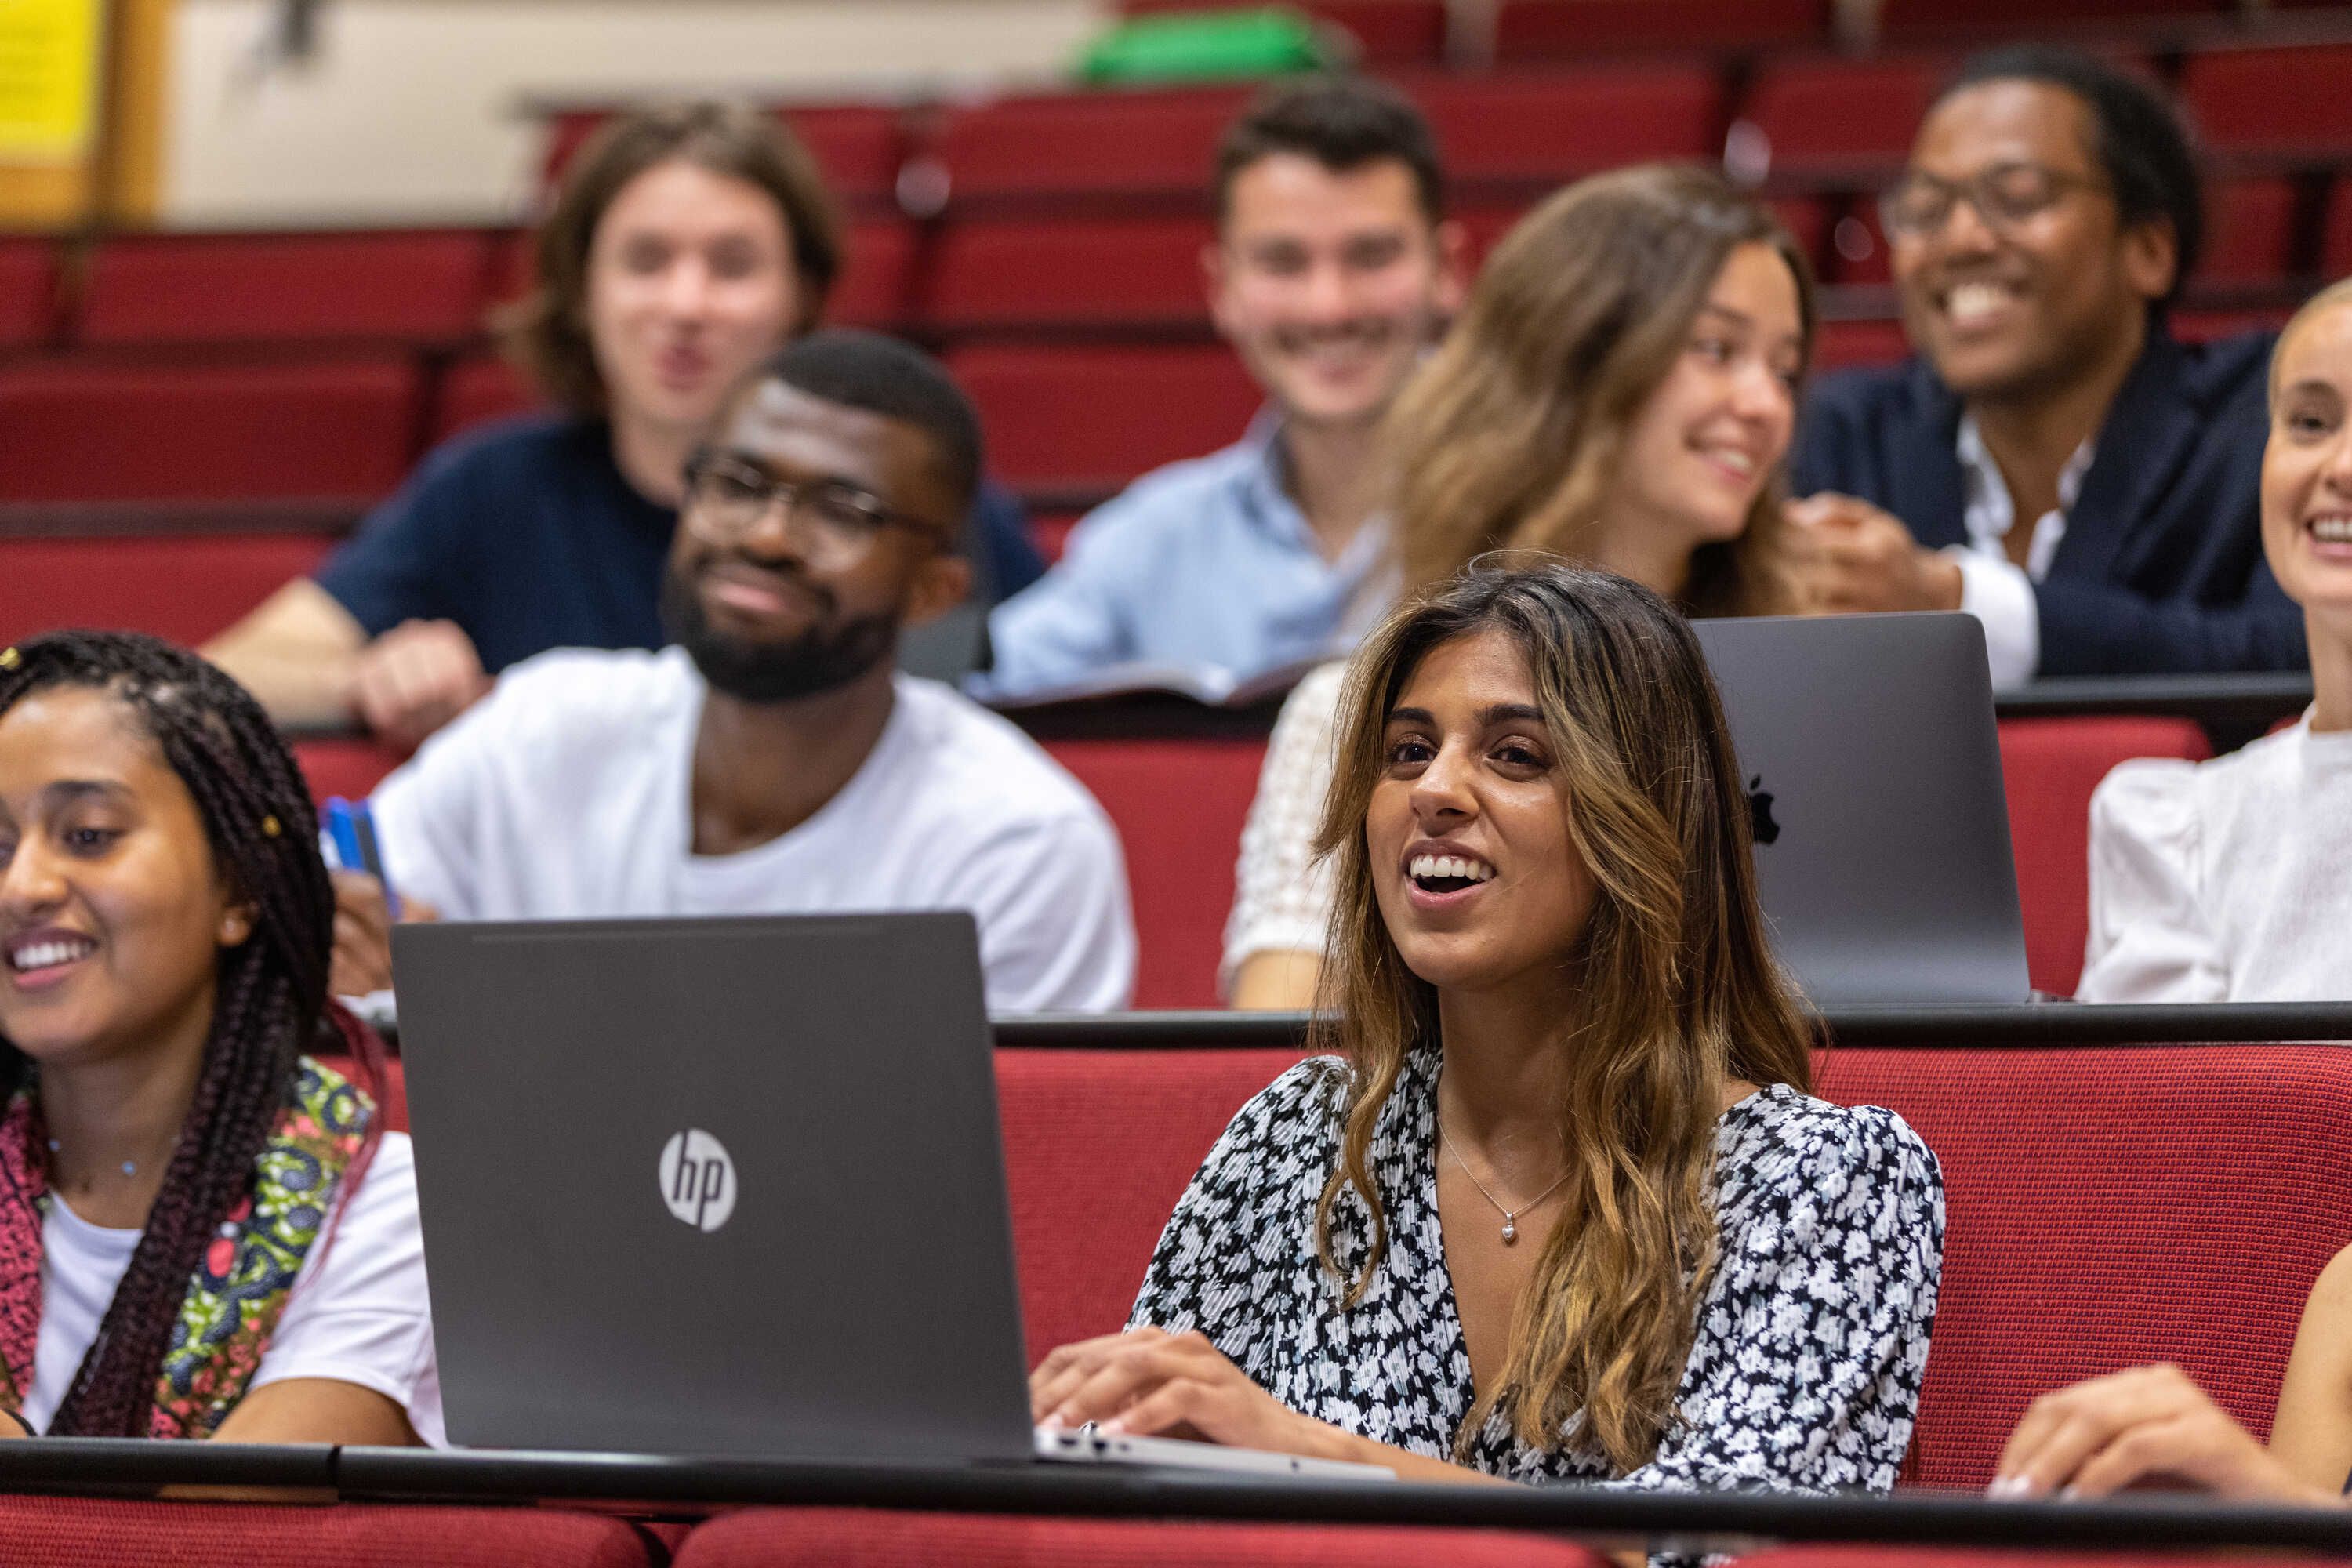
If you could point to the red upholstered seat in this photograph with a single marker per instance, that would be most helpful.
(127, 1534)
(1158, 142)
(427, 285)
(2107, 1207)
(476, 390)
(2335, 236)
(1178, 807)
(2251, 235)
(1069, 270)
(1098, 1145)
(1818, 113)
(28, 291)
(2050, 767)
(858, 1538)
(1050, 531)
(1554, 125)
(2269, 100)
(113, 432)
(1528, 29)
(2009, 15)
(184, 586)
(876, 285)
(1101, 415)
(350, 768)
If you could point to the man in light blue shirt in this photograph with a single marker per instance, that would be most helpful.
(1333, 271)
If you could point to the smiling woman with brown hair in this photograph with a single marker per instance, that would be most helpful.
(1559, 1206)
(1621, 391)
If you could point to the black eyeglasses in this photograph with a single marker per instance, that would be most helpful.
(834, 521)
(2004, 196)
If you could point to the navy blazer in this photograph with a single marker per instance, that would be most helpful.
(2161, 567)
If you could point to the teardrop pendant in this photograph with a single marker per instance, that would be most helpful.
(1510, 1230)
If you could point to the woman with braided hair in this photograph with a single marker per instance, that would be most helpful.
(203, 1231)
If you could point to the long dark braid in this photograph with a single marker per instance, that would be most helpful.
(272, 994)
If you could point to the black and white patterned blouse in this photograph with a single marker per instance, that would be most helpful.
(1811, 1335)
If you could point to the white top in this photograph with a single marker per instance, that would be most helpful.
(1993, 589)
(566, 794)
(1282, 894)
(356, 1314)
(2224, 882)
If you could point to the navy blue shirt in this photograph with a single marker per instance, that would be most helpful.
(527, 535)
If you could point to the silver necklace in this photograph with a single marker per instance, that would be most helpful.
(1510, 1215)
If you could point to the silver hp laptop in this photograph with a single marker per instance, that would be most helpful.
(726, 1187)
(1874, 785)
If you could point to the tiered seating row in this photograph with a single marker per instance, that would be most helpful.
(2215, 1168)
(1179, 805)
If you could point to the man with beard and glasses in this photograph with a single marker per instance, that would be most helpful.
(2053, 461)
(1332, 270)
(771, 761)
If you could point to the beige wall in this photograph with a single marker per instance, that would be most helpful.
(408, 112)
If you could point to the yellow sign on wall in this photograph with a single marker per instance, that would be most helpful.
(48, 79)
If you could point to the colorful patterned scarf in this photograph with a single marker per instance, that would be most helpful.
(241, 1284)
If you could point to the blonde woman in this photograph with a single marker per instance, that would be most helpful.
(1620, 389)
(1560, 1207)
(2231, 881)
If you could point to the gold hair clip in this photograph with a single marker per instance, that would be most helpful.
(269, 828)
(10, 659)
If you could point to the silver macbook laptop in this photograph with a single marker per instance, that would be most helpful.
(727, 1187)
(1874, 785)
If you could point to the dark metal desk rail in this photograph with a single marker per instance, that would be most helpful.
(1724, 1520)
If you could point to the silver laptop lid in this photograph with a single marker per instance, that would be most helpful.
(1874, 766)
(714, 1187)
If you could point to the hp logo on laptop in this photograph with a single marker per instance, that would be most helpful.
(698, 1179)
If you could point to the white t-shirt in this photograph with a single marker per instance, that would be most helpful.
(358, 1315)
(566, 794)
(2229, 881)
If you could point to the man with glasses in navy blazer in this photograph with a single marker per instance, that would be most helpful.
(2050, 461)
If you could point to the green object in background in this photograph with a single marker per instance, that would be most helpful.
(1202, 45)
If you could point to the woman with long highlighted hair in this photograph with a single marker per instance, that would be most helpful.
(1554, 1202)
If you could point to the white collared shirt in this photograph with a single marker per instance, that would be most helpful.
(1992, 587)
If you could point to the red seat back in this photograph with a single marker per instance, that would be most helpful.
(477, 390)
(1829, 112)
(1159, 142)
(427, 285)
(350, 768)
(1101, 415)
(1178, 806)
(1527, 29)
(2251, 237)
(1098, 1145)
(127, 1532)
(2269, 100)
(1010, 271)
(28, 291)
(2048, 768)
(338, 430)
(183, 587)
(1554, 125)
(864, 1537)
(2107, 1207)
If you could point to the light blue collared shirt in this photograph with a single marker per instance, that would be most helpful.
(1207, 564)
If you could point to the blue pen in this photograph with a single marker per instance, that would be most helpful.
(352, 828)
